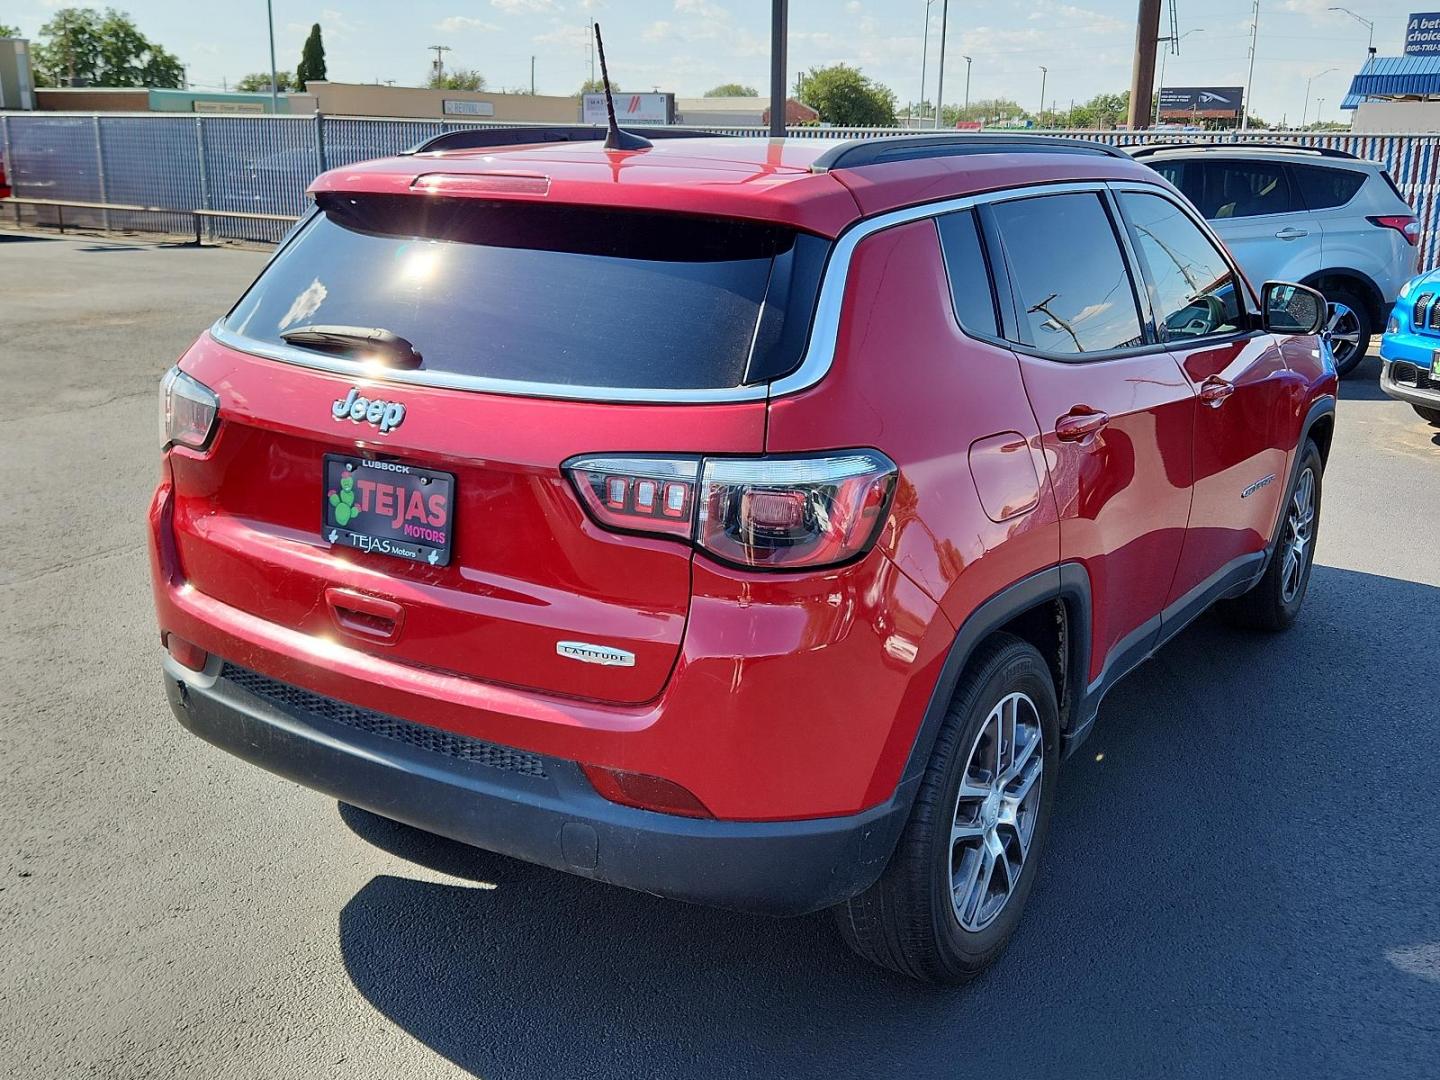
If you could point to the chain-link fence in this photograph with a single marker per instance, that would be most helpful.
(262, 164)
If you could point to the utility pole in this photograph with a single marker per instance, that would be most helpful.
(1142, 74)
(274, 89)
(924, 56)
(968, 61)
(592, 54)
(940, 86)
(779, 40)
(532, 76)
(440, 51)
(1044, 73)
(1250, 78)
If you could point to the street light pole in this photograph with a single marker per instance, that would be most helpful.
(1368, 24)
(940, 85)
(1250, 78)
(1044, 72)
(274, 90)
(1306, 110)
(968, 61)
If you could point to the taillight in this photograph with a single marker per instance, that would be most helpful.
(774, 513)
(187, 411)
(1405, 224)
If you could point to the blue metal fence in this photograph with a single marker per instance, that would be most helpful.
(264, 163)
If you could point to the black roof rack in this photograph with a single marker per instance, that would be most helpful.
(1151, 149)
(480, 137)
(887, 148)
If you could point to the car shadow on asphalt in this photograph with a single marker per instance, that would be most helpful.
(1240, 879)
(1363, 384)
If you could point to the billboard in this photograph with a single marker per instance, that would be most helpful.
(630, 109)
(1422, 34)
(1201, 102)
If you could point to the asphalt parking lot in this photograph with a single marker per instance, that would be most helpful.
(1242, 877)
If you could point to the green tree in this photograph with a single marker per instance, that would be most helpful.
(732, 89)
(259, 82)
(7, 30)
(83, 45)
(596, 86)
(985, 111)
(312, 59)
(459, 79)
(845, 97)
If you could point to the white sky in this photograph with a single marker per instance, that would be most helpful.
(690, 45)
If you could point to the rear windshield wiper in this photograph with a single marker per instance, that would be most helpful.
(393, 348)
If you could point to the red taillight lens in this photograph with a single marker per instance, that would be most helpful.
(636, 493)
(1406, 225)
(645, 791)
(765, 513)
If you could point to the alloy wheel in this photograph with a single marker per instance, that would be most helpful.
(995, 811)
(1299, 536)
(1343, 332)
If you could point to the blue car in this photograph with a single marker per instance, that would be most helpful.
(1410, 349)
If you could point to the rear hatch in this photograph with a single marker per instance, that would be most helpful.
(530, 334)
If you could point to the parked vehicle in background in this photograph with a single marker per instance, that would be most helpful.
(751, 522)
(1321, 217)
(1410, 349)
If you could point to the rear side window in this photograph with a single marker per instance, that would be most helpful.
(970, 287)
(1193, 291)
(1323, 188)
(573, 296)
(1073, 290)
(1235, 189)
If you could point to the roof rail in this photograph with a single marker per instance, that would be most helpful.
(1295, 148)
(480, 137)
(883, 149)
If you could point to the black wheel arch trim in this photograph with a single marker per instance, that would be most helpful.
(1377, 305)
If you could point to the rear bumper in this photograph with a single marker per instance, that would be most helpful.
(528, 806)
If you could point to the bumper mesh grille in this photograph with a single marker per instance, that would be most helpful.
(292, 699)
(1407, 374)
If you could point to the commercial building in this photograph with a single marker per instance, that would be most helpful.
(1394, 94)
(373, 99)
(93, 99)
(738, 112)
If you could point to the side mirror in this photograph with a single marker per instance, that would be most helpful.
(1292, 309)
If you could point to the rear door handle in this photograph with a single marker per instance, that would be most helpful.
(1080, 423)
(1291, 233)
(1214, 391)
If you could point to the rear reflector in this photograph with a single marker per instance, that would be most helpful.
(184, 653)
(778, 513)
(645, 792)
(1405, 224)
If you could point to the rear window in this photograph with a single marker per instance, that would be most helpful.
(1323, 188)
(573, 296)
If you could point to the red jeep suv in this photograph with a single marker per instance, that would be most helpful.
(756, 523)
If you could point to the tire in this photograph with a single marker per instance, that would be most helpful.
(1350, 317)
(1274, 602)
(906, 921)
(1430, 416)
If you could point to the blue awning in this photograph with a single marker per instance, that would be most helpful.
(1394, 76)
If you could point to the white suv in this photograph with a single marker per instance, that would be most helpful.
(1321, 217)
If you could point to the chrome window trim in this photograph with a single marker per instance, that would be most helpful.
(814, 365)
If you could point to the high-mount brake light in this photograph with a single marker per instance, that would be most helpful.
(776, 513)
(188, 409)
(1407, 225)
